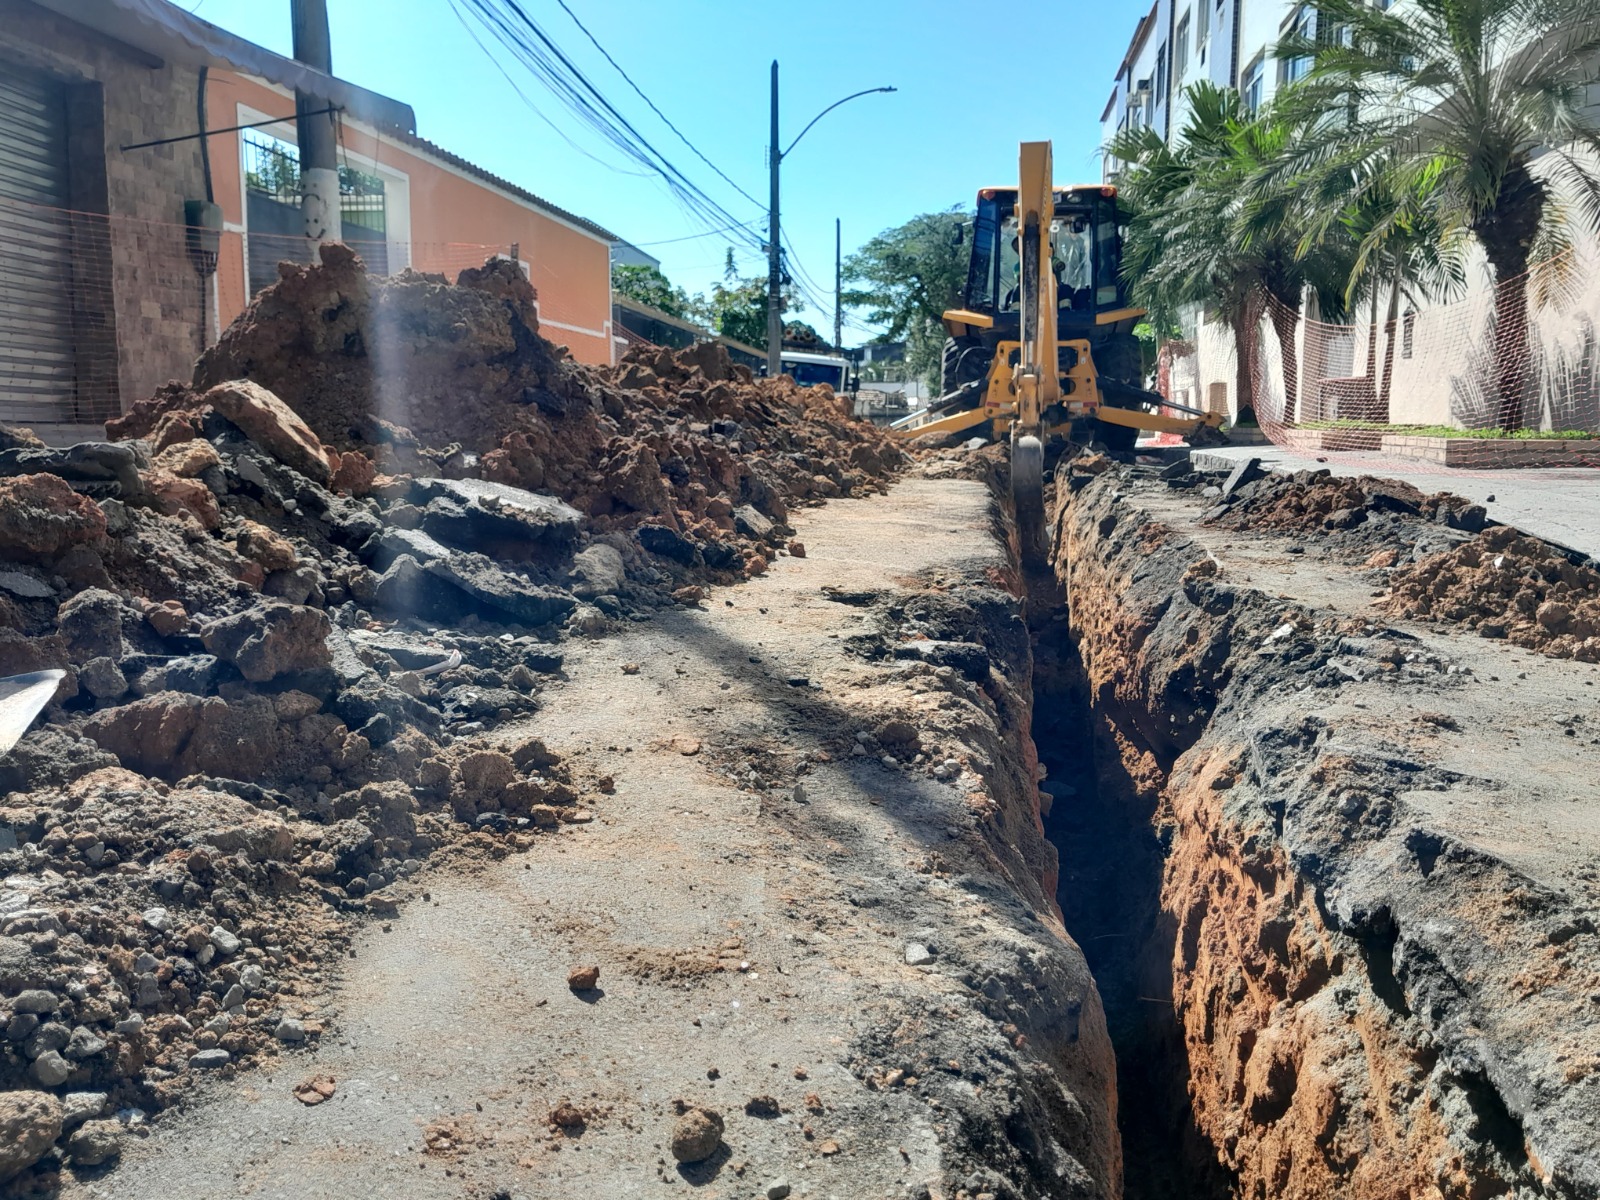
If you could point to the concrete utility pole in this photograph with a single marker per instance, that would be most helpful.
(838, 288)
(774, 265)
(317, 135)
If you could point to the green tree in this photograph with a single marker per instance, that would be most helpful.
(649, 286)
(1445, 103)
(907, 277)
(736, 307)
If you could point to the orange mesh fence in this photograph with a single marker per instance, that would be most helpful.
(1507, 377)
(96, 312)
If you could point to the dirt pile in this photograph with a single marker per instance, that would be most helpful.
(1356, 511)
(430, 378)
(1504, 584)
(291, 629)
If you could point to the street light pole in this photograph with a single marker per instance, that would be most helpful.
(774, 267)
(838, 287)
(774, 248)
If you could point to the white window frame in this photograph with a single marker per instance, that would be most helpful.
(1258, 68)
(396, 186)
(1180, 55)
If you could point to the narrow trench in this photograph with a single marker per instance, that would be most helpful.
(1109, 892)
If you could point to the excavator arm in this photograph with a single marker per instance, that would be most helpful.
(1036, 376)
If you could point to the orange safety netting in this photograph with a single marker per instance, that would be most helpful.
(1507, 377)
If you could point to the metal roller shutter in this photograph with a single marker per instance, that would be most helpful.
(37, 361)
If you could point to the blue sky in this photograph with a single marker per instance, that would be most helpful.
(952, 127)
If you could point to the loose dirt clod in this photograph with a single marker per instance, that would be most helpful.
(696, 1135)
(315, 1090)
(1504, 584)
(583, 979)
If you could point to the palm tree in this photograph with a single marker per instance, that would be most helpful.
(1199, 233)
(1444, 104)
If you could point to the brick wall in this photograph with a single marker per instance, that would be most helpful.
(147, 300)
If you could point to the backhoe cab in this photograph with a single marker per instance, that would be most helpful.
(1043, 341)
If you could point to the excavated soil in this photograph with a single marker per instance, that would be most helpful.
(817, 898)
(294, 634)
(1368, 949)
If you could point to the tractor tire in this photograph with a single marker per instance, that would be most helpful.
(1119, 358)
(958, 367)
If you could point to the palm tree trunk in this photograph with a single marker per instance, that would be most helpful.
(1246, 312)
(1389, 326)
(1507, 234)
(1372, 333)
(1285, 323)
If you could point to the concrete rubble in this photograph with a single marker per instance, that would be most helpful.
(294, 601)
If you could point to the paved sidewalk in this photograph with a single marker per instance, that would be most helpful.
(1562, 506)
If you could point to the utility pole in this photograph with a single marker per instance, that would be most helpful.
(774, 261)
(774, 264)
(317, 135)
(838, 288)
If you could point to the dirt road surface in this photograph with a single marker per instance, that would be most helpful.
(752, 940)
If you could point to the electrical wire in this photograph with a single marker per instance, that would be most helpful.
(529, 44)
(693, 236)
(455, 7)
(664, 118)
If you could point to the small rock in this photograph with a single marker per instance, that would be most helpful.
(583, 979)
(158, 919)
(78, 1107)
(84, 1043)
(917, 954)
(29, 1123)
(50, 1069)
(630, 668)
(798, 549)
(778, 1189)
(315, 1090)
(696, 1135)
(102, 678)
(290, 1030)
(225, 942)
(762, 1106)
(210, 1060)
(34, 1000)
(566, 1116)
(95, 1142)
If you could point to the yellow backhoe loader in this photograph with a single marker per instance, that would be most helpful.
(1043, 342)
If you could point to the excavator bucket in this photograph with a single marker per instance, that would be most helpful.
(1037, 379)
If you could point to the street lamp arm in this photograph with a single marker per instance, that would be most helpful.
(828, 110)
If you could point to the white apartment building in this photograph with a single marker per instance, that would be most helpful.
(1432, 352)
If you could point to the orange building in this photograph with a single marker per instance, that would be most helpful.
(407, 203)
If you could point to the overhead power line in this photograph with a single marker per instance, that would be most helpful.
(529, 44)
(693, 236)
(682, 137)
